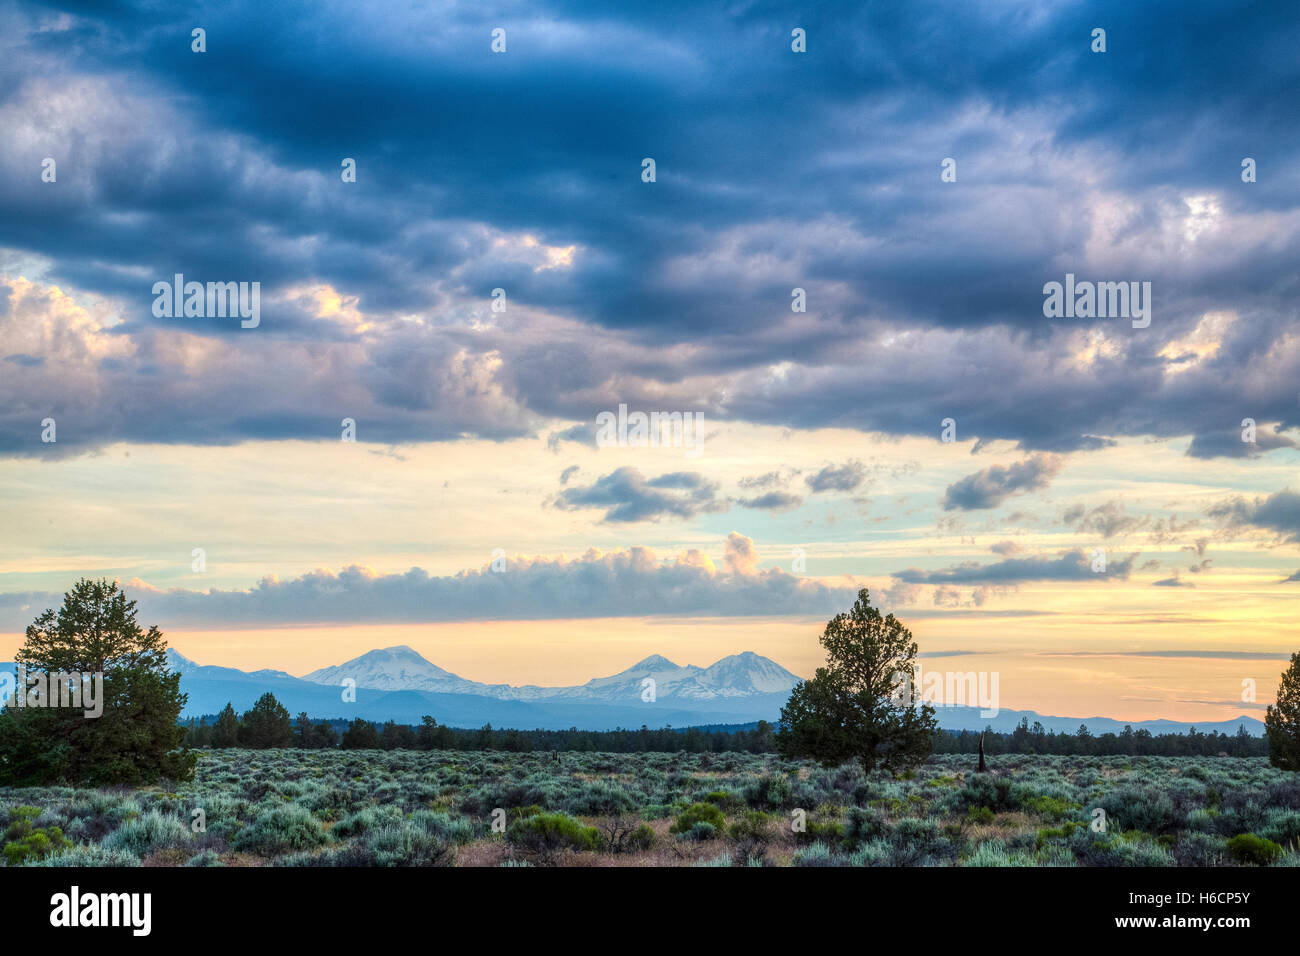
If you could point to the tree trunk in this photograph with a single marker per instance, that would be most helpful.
(982, 767)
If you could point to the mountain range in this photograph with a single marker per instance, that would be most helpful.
(397, 683)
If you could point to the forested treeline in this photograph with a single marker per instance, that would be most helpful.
(250, 730)
(268, 725)
(1036, 740)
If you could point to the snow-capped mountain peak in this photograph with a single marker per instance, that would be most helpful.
(394, 668)
(653, 662)
(178, 663)
(402, 668)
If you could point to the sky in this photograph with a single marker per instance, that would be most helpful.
(836, 274)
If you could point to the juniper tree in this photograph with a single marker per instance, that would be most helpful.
(852, 708)
(226, 731)
(137, 739)
(266, 725)
(1282, 720)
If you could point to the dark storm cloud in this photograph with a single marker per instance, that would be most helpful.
(775, 170)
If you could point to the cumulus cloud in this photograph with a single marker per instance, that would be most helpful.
(629, 583)
(772, 501)
(1227, 443)
(995, 484)
(669, 297)
(845, 477)
(1068, 566)
(626, 495)
(1278, 513)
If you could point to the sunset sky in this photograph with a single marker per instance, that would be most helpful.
(477, 518)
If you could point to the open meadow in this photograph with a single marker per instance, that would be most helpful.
(437, 808)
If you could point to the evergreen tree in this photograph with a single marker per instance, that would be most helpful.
(305, 735)
(226, 731)
(852, 708)
(137, 738)
(266, 725)
(326, 736)
(360, 735)
(1282, 720)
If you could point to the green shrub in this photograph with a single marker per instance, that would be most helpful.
(642, 838)
(547, 832)
(815, 854)
(84, 856)
(752, 826)
(365, 820)
(982, 790)
(25, 843)
(861, 825)
(698, 813)
(1247, 848)
(995, 853)
(1064, 831)
(281, 829)
(444, 827)
(1199, 849)
(700, 831)
(1149, 809)
(401, 844)
(821, 831)
(204, 858)
(1054, 808)
(148, 833)
(1283, 828)
(917, 832)
(769, 792)
(725, 800)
